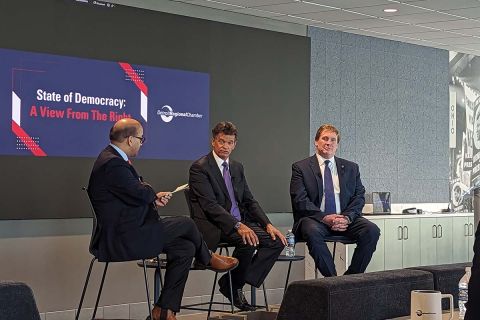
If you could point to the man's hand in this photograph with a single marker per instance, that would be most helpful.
(336, 222)
(162, 198)
(247, 235)
(274, 233)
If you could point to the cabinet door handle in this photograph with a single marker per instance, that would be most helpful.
(400, 232)
(441, 230)
(466, 230)
(434, 231)
(471, 228)
(405, 231)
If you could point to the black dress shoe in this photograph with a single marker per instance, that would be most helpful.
(239, 300)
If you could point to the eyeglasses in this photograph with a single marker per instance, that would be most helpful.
(142, 139)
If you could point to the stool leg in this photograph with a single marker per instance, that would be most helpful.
(231, 290)
(211, 295)
(288, 276)
(146, 287)
(334, 250)
(100, 290)
(84, 288)
(265, 296)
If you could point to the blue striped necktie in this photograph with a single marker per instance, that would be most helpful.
(329, 192)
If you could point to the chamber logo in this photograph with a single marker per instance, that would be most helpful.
(167, 114)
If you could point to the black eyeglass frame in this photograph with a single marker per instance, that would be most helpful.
(142, 139)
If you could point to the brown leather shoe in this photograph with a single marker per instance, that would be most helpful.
(220, 263)
(162, 314)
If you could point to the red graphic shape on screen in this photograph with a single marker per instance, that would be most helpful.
(27, 140)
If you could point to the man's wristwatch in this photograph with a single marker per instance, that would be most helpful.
(237, 225)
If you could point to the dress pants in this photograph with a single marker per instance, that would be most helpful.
(364, 232)
(473, 304)
(253, 267)
(183, 242)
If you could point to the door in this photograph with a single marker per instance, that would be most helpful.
(461, 231)
(393, 248)
(471, 237)
(378, 259)
(428, 244)
(445, 240)
(411, 242)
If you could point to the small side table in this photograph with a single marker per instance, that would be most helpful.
(289, 260)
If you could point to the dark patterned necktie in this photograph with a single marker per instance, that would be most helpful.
(330, 206)
(234, 210)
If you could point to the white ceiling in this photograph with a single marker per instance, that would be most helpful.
(447, 24)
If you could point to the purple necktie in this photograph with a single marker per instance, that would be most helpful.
(235, 211)
(330, 206)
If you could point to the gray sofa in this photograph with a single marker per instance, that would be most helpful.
(17, 302)
(369, 296)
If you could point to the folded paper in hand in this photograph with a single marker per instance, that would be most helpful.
(180, 188)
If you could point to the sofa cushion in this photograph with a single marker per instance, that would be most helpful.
(17, 302)
(446, 278)
(369, 296)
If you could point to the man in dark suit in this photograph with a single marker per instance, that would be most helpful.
(225, 210)
(130, 227)
(327, 199)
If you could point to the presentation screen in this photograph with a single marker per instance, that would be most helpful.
(61, 105)
(70, 69)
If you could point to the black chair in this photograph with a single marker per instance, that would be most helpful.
(335, 240)
(93, 250)
(160, 263)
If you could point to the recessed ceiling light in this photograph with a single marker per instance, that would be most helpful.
(390, 10)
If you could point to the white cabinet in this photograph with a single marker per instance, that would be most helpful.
(402, 242)
(436, 236)
(463, 237)
(416, 240)
(378, 259)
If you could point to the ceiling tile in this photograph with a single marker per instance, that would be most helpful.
(466, 13)
(295, 19)
(429, 35)
(446, 4)
(253, 3)
(395, 30)
(369, 23)
(333, 15)
(472, 46)
(257, 12)
(378, 10)
(347, 4)
(294, 8)
(424, 17)
(214, 5)
(471, 31)
(459, 40)
(453, 24)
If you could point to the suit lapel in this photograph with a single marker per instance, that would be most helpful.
(315, 166)
(115, 152)
(341, 174)
(217, 174)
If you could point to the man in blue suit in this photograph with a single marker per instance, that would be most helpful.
(327, 199)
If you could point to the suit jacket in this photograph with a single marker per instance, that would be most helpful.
(129, 227)
(306, 190)
(211, 203)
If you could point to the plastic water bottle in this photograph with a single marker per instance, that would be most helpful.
(463, 293)
(290, 248)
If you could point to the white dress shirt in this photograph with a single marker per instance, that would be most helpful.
(336, 183)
